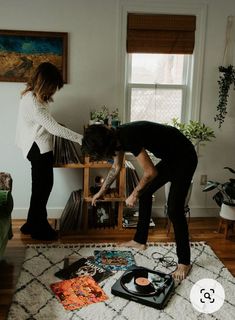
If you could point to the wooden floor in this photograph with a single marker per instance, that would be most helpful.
(201, 229)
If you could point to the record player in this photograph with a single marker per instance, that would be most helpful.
(145, 286)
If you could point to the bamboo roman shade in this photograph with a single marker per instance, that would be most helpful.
(160, 33)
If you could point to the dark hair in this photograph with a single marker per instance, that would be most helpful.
(44, 81)
(99, 142)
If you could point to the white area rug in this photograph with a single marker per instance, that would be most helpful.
(34, 300)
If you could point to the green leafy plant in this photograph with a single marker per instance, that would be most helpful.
(226, 79)
(103, 115)
(114, 115)
(226, 190)
(195, 131)
(100, 115)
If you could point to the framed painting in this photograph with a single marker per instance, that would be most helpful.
(22, 51)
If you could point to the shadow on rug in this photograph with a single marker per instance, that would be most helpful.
(34, 299)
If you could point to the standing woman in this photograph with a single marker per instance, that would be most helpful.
(34, 136)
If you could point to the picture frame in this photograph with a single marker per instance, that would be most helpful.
(22, 51)
(101, 215)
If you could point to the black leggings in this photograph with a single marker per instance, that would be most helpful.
(42, 183)
(180, 176)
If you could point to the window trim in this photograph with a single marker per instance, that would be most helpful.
(183, 87)
(193, 100)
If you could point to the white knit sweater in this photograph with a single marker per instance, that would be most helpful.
(35, 124)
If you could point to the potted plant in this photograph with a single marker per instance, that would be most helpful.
(225, 191)
(99, 116)
(114, 118)
(225, 198)
(195, 131)
(226, 79)
(104, 116)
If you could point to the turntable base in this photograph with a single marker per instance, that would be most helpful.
(145, 286)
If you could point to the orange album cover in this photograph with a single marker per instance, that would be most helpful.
(78, 292)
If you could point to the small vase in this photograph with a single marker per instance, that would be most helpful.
(227, 211)
(91, 122)
(115, 123)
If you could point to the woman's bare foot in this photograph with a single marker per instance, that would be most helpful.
(132, 244)
(181, 272)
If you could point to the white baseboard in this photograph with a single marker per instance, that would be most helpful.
(55, 213)
(21, 213)
(194, 212)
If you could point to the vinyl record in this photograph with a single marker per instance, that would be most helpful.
(142, 282)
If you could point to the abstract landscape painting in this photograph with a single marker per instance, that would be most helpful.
(22, 51)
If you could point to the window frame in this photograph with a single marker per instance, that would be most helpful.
(184, 87)
(194, 80)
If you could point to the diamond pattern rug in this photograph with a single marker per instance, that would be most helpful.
(34, 300)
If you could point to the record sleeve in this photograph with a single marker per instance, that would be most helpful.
(114, 260)
(78, 292)
(84, 266)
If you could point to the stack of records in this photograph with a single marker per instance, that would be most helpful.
(132, 178)
(71, 218)
(130, 218)
(66, 151)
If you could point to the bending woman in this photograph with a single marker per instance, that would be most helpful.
(177, 165)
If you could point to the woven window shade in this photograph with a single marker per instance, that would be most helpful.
(160, 33)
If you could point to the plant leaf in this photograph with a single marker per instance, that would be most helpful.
(230, 169)
(211, 185)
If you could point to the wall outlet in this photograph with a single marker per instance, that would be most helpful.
(203, 180)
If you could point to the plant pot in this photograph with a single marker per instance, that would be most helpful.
(115, 123)
(227, 211)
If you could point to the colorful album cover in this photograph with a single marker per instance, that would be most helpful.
(114, 260)
(78, 292)
(84, 267)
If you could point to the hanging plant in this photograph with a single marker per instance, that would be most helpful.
(226, 79)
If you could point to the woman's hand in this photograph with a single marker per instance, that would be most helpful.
(131, 200)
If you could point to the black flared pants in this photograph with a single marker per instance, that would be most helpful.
(180, 175)
(42, 183)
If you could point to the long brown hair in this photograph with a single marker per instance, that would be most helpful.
(43, 83)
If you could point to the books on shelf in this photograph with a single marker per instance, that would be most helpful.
(130, 218)
(132, 223)
(114, 260)
(78, 292)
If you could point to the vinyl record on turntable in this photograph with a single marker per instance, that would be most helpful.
(149, 287)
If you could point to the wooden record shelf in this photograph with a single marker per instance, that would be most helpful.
(96, 165)
(111, 196)
(117, 196)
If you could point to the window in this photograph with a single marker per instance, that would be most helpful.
(157, 86)
(150, 42)
(160, 49)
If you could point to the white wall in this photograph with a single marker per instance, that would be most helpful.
(94, 64)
